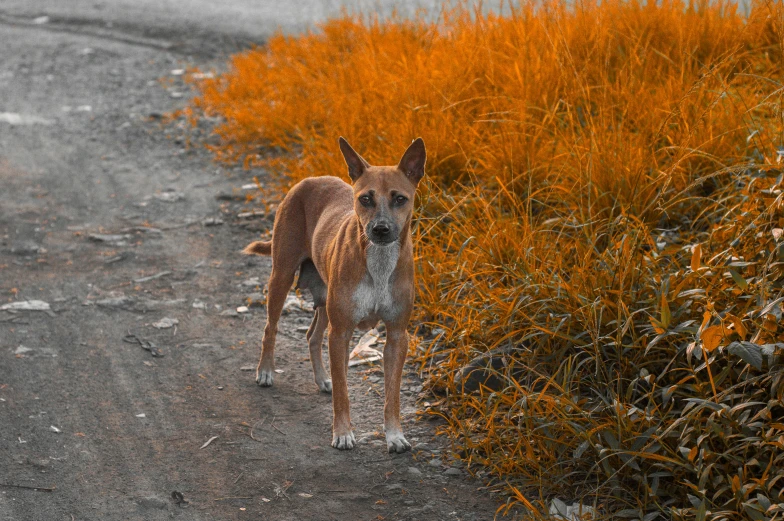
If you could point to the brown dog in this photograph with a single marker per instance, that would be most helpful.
(352, 247)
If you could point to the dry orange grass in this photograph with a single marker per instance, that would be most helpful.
(600, 239)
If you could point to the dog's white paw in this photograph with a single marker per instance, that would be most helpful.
(344, 442)
(396, 442)
(325, 386)
(264, 377)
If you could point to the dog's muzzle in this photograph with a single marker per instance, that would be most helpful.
(382, 233)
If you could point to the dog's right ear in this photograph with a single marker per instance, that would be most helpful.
(356, 164)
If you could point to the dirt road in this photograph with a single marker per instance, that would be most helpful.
(116, 222)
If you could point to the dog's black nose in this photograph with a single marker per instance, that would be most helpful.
(381, 229)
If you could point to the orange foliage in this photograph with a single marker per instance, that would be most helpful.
(604, 188)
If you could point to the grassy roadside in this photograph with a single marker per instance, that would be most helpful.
(601, 236)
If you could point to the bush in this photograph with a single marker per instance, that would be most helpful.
(599, 243)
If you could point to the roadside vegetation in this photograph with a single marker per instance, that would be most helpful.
(600, 242)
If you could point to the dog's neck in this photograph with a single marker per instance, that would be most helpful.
(381, 263)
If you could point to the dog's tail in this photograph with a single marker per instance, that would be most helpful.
(258, 248)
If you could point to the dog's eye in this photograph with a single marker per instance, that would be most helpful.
(400, 200)
(365, 200)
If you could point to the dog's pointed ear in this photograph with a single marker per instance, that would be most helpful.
(356, 164)
(413, 161)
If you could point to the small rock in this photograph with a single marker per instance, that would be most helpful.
(435, 462)
(252, 282)
(54, 429)
(395, 486)
(451, 471)
(198, 304)
(212, 221)
(117, 240)
(22, 350)
(12, 118)
(169, 196)
(228, 313)
(207, 346)
(248, 368)
(415, 471)
(26, 305)
(141, 415)
(242, 309)
(165, 323)
(41, 20)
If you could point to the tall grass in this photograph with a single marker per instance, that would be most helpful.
(599, 244)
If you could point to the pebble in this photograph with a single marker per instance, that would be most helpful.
(415, 471)
(451, 471)
(169, 197)
(212, 221)
(435, 462)
(165, 323)
(252, 283)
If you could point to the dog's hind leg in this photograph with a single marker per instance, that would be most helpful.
(280, 283)
(315, 338)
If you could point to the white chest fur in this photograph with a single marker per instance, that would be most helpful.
(373, 295)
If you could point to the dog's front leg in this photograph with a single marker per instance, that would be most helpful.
(342, 435)
(394, 358)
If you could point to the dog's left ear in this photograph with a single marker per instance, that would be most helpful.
(413, 161)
